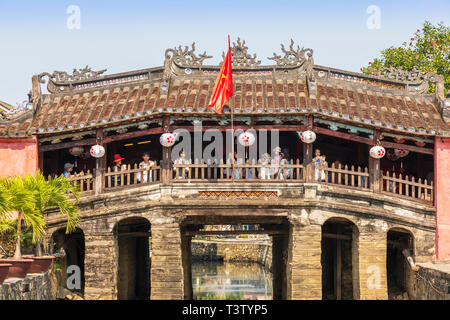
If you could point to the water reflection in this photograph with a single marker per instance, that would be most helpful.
(216, 280)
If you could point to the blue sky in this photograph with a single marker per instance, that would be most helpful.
(128, 35)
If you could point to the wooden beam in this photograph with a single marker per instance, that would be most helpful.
(245, 127)
(386, 144)
(135, 234)
(66, 145)
(233, 232)
(336, 236)
(343, 135)
(131, 135)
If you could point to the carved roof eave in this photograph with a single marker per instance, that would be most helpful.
(159, 115)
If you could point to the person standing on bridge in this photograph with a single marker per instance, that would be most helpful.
(319, 163)
(116, 181)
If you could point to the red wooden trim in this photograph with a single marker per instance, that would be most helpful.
(245, 127)
(368, 141)
(131, 135)
(387, 144)
(20, 140)
(65, 145)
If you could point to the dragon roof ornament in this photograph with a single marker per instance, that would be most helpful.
(81, 74)
(186, 57)
(415, 79)
(240, 57)
(292, 56)
(399, 74)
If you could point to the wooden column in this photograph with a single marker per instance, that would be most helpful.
(99, 166)
(338, 268)
(41, 162)
(374, 168)
(308, 152)
(166, 159)
(308, 147)
(186, 256)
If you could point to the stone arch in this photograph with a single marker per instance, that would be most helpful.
(340, 259)
(72, 248)
(400, 266)
(132, 235)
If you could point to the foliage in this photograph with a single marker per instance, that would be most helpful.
(32, 196)
(4, 197)
(54, 193)
(428, 50)
(20, 200)
(57, 266)
(226, 296)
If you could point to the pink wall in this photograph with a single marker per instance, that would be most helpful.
(18, 156)
(442, 197)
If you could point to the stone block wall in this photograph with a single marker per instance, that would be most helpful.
(33, 287)
(100, 267)
(304, 269)
(431, 284)
(167, 278)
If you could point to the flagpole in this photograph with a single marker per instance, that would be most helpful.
(232, 129)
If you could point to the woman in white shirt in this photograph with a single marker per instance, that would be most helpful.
(147, 164)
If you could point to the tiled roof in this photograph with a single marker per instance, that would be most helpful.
(256, 95)
(104, 101)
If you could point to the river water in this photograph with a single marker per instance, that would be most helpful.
(217, 280)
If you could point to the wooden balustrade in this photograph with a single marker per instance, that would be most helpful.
(85, 181)
(130, 176)
(343, 175)
(243, 172)
(201, 171)
(407, 186)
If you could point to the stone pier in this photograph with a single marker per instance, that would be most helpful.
(167, 277)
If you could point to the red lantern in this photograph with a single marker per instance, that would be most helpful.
(401, 153)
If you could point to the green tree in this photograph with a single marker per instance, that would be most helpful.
(427, 50)
(3, 198)
(20, 200)
(31, 196)
(53, 193)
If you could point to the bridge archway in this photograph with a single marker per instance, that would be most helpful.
(200, 231)
(134, 258)
(73, 245)
(340, 260)
(400, 248)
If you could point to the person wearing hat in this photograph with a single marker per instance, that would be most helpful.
(68, 169)
(116, 168)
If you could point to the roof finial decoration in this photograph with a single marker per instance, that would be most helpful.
(293, 56)
(240, 57)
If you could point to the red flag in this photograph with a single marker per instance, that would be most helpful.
(223, 89)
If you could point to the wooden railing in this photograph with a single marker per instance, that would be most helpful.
(128, 176)
(85, 182)
(341, 175)
(407, 186)
(242, 172)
